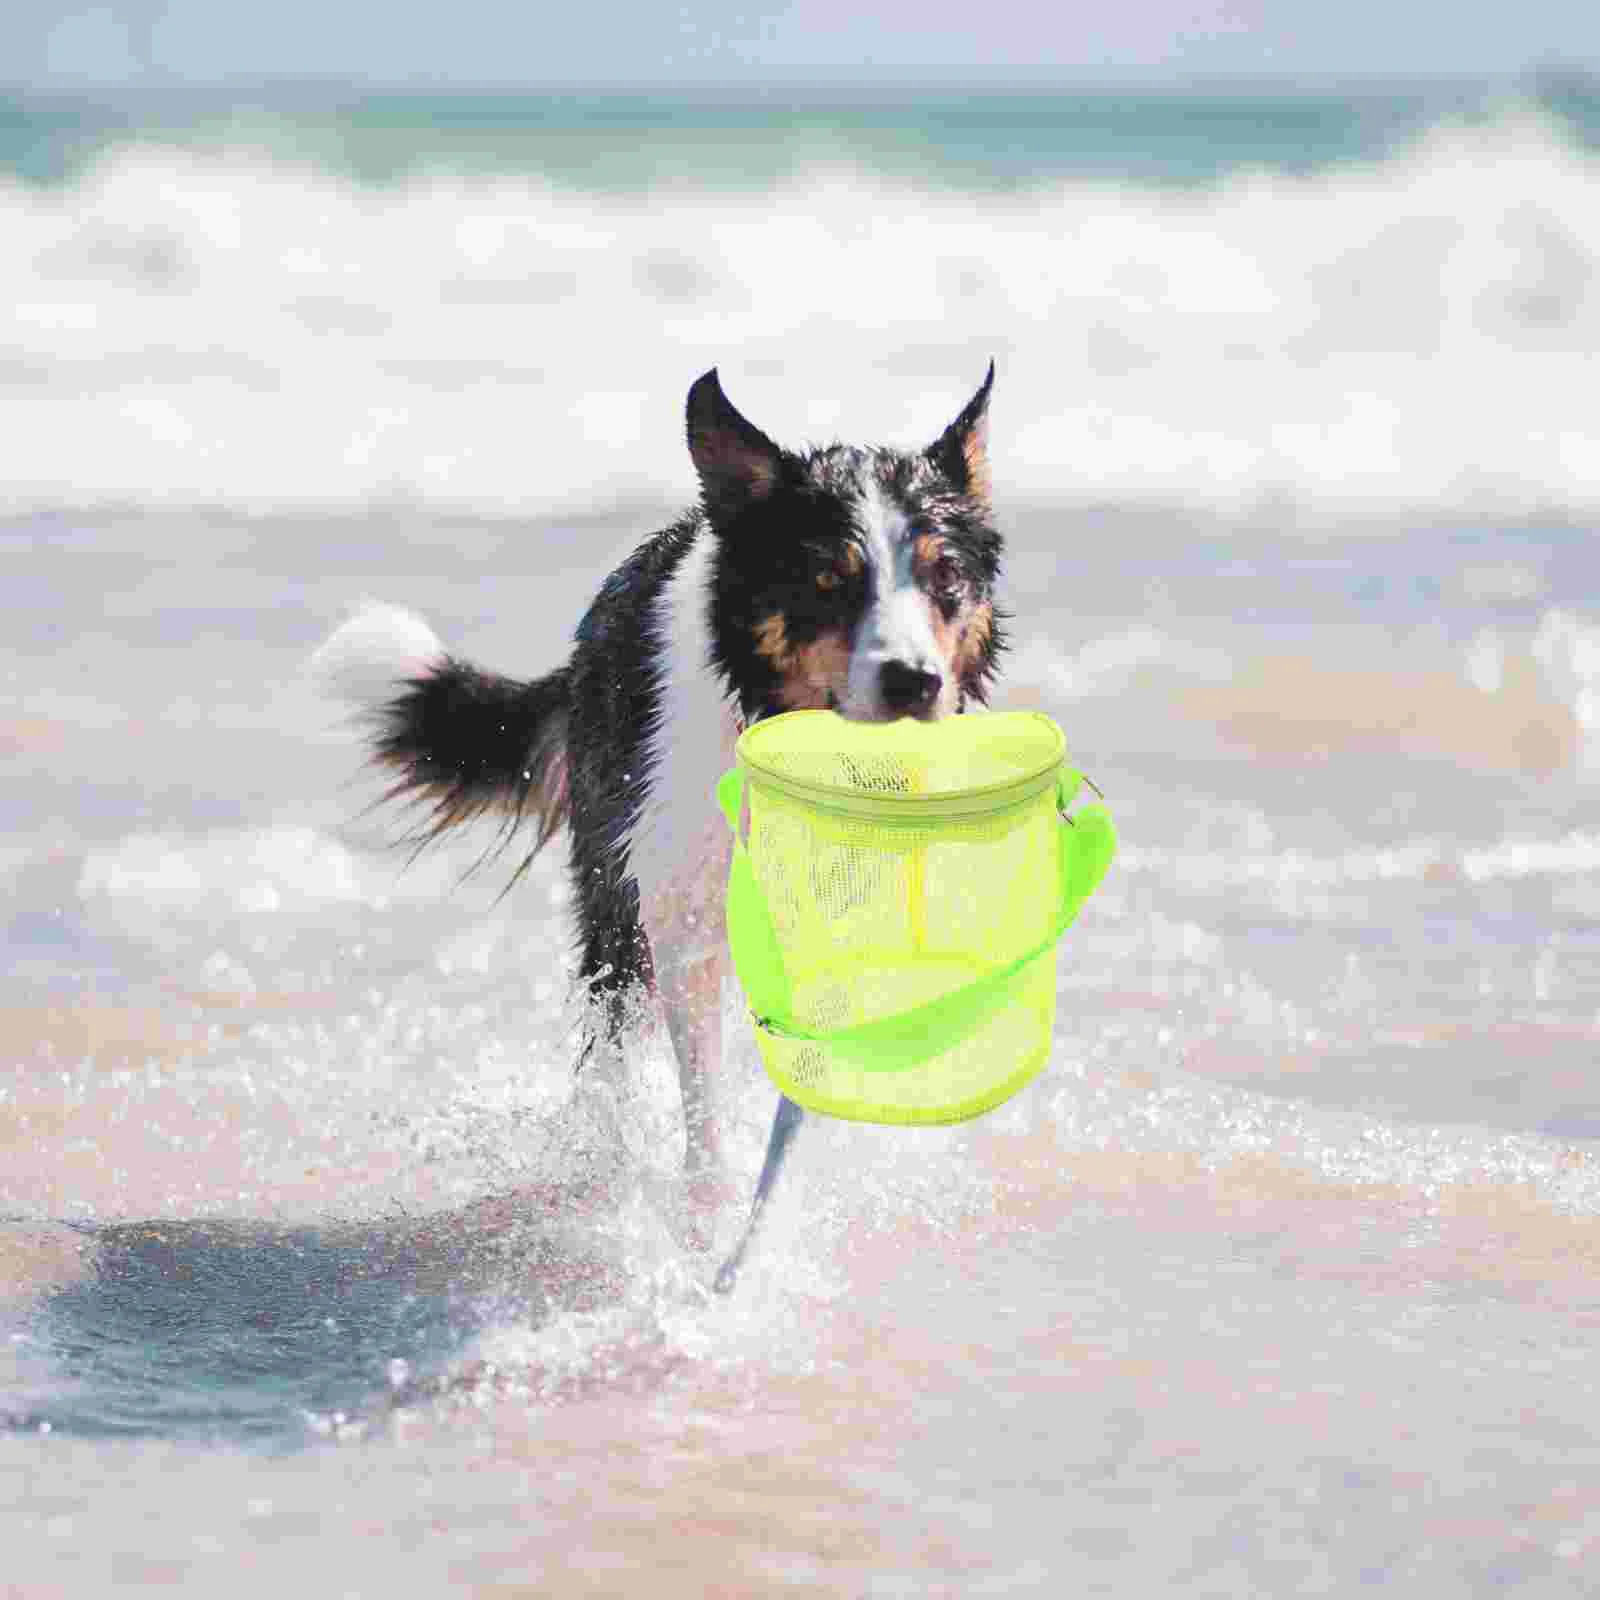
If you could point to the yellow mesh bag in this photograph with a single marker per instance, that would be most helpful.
(895, 911)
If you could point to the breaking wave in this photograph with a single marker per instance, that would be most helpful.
(1414, 335)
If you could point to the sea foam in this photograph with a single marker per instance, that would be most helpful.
(1412, 336)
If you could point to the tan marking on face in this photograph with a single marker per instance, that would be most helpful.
(772, 641)
(817, 674)
(961, 641)
(926, 549)
(947, 634)
(974, 641)
(846, 568)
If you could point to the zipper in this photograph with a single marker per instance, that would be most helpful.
(909, 808)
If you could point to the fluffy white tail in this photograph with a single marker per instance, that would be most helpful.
(371, 657)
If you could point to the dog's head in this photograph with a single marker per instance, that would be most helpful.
(856, 580)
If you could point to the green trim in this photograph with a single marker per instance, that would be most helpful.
(896, 1116)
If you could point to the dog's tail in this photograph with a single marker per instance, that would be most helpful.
(462, 743)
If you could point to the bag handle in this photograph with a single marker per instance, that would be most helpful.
(1086, 843)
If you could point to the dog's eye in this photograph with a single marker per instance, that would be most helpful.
(829, 581)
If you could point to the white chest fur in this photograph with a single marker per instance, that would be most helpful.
(678, 851)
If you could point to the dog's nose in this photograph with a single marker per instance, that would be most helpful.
(907, 690)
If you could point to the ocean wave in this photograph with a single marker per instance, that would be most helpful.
(1415, 336)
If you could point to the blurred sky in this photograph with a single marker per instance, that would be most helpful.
(507, 42)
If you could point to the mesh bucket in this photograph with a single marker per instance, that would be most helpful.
(895, 911)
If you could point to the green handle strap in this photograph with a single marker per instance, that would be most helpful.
(1085, 849)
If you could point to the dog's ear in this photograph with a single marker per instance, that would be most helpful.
(961, 452)
(737, 462)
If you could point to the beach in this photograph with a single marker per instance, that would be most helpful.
(1281, 1278)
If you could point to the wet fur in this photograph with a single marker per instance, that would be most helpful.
(857, 579)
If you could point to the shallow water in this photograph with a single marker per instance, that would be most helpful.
(1281, 1279)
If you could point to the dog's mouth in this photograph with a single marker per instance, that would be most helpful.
(887, 713)
(832, 702)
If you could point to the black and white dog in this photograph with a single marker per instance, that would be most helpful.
(856, 579)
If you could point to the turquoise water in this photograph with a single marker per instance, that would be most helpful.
(610, 139)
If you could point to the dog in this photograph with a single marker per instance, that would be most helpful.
(860, 580)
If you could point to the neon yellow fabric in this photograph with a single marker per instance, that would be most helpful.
(895, 915)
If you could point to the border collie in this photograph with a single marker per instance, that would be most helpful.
(861, 580)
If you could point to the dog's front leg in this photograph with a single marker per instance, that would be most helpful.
(691, 995)
(689, 949)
